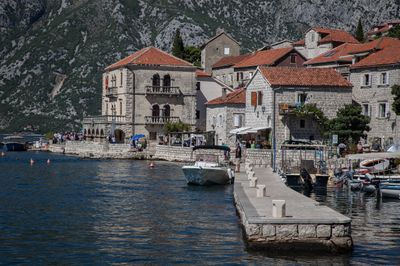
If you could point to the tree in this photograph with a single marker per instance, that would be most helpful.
(350, 124)
(394, 32)
(176, 127)
(313, 111)
(359, 34)
(192, 55)
(396, 103)
(178, 49)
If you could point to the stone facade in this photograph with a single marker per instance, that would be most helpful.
(221, 119)
(219, 46)
(311, 47)
(376, 101)
(226, 75)
(141, 99)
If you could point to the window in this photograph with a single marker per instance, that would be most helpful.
(120, 108)
(121, 78)
(220, 120)
(153, 135)
(293, 59)
(155, 110)
(383, 110)
(226, 51)
(197, 114)
(237, 76)
(384, 78)
(167, 111)
(302, 123)
(241, 75)
(253, 98)
(259, 97)
(106, 108)
(312, 37)
(366, 80)
(365, 108)
(214, 121)
(167, 81)
(198, 85)
(250, 75)
(114, 81)
(301, 98)
(237, 120)
(156, 80)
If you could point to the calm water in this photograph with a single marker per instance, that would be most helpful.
(120, 212)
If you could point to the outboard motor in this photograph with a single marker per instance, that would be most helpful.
(307, 180)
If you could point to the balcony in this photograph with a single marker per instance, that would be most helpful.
(162, 90)
(104, 119)
(160, 120)
(112, 92)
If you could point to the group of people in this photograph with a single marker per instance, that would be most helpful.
(62, 137)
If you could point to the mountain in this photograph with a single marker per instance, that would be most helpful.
(52, 53)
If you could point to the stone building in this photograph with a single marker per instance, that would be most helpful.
(274, 93)
(219, 46)
(237, 71)
(208, 88)
(320, 40)
(372, 78)
(226, 113)
(143, 92)
(382, 29)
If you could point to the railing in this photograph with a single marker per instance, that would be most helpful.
(112, 92)
(162, 90)
(160, 120)
(102, 119)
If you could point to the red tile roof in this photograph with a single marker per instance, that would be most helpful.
(238, 96)
(301, 42)
(265, 57)
(384, 57)
(344, 53)
(229, 60)
(304, 77)
(202, 74)
(335, 35)
(150, 56)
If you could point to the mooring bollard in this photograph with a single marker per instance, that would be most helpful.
(260, 191)
(278, 208)
(253, 182)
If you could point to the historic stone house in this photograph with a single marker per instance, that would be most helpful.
(143, 92)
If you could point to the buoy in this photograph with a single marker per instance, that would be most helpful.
(48, 161)
(32, 161)
(151, 165)
(3, 154)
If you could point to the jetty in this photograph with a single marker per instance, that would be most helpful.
(276, 218)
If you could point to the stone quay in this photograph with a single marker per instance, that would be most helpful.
(276, 218)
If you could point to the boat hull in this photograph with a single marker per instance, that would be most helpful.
(390, 191)
(14, 146)
(205, 176)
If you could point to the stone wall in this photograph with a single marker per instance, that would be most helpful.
(259, 157)
(182, 154)
(79, 147)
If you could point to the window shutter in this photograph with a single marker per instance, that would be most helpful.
(370, 80)
(253, 98)
(387, 111)
(387, 78)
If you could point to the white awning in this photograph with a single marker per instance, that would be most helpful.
(238, 130)
(252, 130)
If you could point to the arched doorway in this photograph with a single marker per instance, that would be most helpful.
(119, 136)
(155, 110)
(167, 111)
(156, 80)
(167, 81)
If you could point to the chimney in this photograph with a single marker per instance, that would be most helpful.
(219, 30)
(223, 96)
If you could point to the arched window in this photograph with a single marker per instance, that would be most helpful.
(120, 108)
(97, 132)
(155, 110)
(101, 132)
(84, 131)
(106, 108)
(156, 80)
(167, 81)
(121, 76)
(167, 110)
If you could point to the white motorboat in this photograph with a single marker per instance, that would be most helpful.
(390, 189)
(375, 166)
(207, 170)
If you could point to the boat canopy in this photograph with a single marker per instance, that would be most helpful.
(212, 147)
(373, 155)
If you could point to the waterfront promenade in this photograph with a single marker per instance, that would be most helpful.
(306, 225)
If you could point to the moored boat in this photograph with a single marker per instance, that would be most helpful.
(207, 170)
(375, 165)
(390, 190)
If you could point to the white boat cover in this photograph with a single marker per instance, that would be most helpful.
(238, 130)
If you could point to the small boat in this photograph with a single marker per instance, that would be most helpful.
(207, 170)
(375, 165)
(14, 143)
(390, 189)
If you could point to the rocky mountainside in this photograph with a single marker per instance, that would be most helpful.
(53, 52)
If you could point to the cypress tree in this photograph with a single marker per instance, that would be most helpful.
(359, 32)
(178, 49)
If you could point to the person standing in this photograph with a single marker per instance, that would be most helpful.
(238, 157)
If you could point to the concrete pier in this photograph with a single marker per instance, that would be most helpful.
(306, 225)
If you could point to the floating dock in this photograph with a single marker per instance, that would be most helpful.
(276, 218)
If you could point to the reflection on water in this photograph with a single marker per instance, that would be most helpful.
(101, 212)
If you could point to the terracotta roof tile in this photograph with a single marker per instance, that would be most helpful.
(229, 60)
(344, 53)
(266, 57)
(150, 56)
(301, 42)
(387, 56)
(335, 35)
(304, 77)
(238, 96)
(201, 73)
